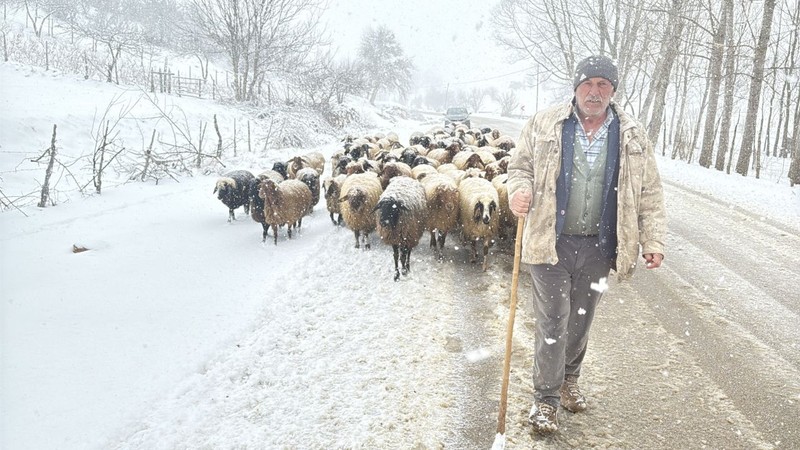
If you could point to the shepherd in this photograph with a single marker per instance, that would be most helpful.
(592, 201)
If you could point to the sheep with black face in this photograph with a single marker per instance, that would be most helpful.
(314, 160)
(441, 193)
(310, 177)
(257, 203)
(357, 198)
(401, 215)
(478, 201)
(332, 187)
(285, 203)
(233, 189)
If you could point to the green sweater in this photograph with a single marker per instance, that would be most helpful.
(586, 194)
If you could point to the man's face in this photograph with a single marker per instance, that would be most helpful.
(593, 96)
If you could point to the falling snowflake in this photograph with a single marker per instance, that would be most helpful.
(581, 311)
(550, 341)
(601, 286)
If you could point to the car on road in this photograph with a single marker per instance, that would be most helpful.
(456, 115)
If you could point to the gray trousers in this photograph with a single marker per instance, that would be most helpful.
(564, 304)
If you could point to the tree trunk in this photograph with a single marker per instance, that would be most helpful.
(717, 53)
(746, 149)
(661, 83)
(786, 95)
(373, 94)
(98, 165)
(794, 167)
(730, 83)
(219, 138)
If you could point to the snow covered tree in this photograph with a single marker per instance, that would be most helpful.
(259, 36)
(474, 98)
(508, 103)
(38, 12)
(324, 81)
(107, 22)
(714, 83)
(386, 66)
(749, 134)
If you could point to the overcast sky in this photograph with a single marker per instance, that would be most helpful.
(453, 39)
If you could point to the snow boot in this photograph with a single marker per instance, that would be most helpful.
(544, 417)
(571, 397)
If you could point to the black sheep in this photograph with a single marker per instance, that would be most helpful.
(280, 167)
(233, 189)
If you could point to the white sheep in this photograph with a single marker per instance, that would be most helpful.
(478, 202)
(315, 160)
(445, 154)
(466, 159)
(284, 204)
(394, 169)
(421, 169)
(441, 192)
(358, 197)
(401, 214)
(506, 219)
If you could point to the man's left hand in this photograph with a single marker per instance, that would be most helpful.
(653, 260)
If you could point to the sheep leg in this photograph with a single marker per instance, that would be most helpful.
(275, 232)
(474, 258)
(231, 215)
(442, 237)
(289, 227)
(405, 259)
(366, 241)
(264, 234)
(485, 254)
(339, 220)
(396, 271)
(334, 222)
(433, 239)
(358, 242)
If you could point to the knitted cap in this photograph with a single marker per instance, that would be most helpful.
(596, 66)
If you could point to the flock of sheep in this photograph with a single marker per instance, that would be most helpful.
(445, 180)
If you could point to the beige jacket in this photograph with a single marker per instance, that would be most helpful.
(535, 165)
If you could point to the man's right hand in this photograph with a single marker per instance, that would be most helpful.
(520, 203)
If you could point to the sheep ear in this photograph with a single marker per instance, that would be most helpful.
(344, 199)
(216, 188)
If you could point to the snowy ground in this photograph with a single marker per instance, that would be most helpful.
(179, 330)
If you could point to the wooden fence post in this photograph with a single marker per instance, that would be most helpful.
(46, 185)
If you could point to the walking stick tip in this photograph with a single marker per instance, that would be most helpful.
(499, 442)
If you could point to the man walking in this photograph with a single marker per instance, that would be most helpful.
(584, 176)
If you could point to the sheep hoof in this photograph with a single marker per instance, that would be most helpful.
(396, 276)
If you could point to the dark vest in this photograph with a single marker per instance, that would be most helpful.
(608, 216)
